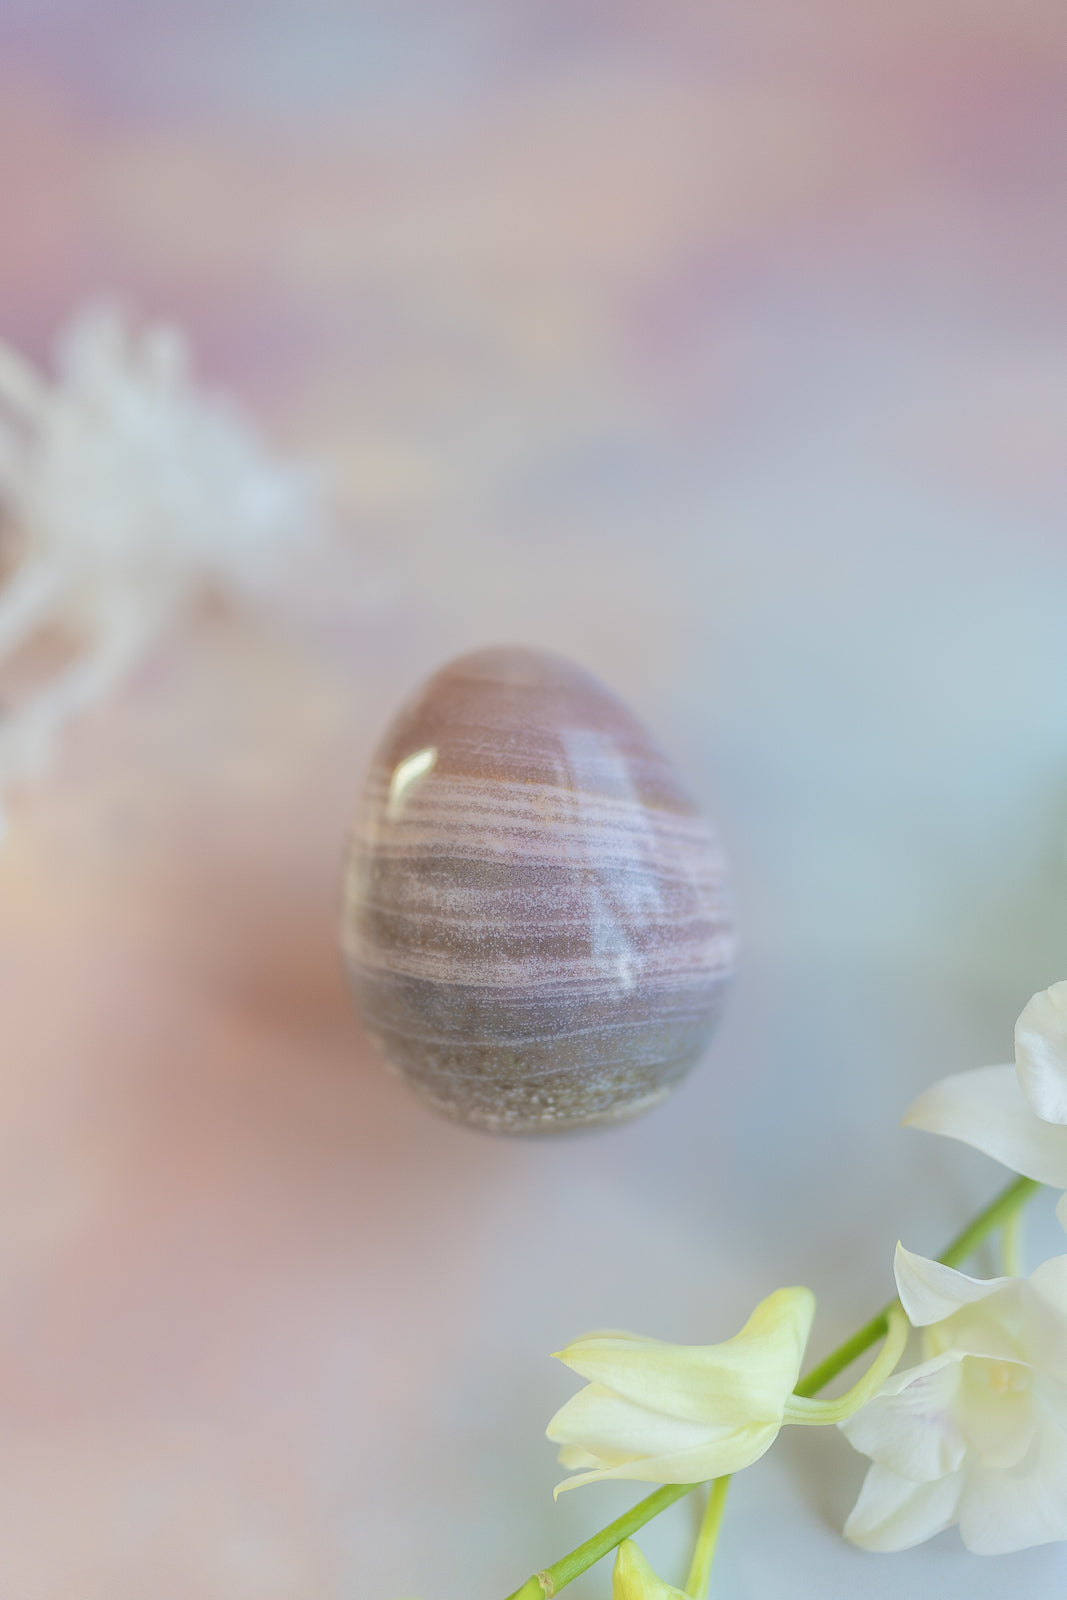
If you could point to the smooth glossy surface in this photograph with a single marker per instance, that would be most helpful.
(536, 919)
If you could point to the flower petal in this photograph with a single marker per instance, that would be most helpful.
(715, 1459)
(986, 1108)
(929, 1291)
(575, 1459)
(633, 1579)
(995, 1410)
(1041, 1053)
(1047, 1321)
(893, 1513)
(745, 1379)
(615, 1430)
(1049, 1281)
(1012, 1510)
(909, 1427)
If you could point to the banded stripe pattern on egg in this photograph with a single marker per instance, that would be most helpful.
(536, 920)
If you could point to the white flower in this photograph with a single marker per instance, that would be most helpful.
(1017, 1115)
(126, 469)
(124, 489)
(668, 1413)
(976, 1434)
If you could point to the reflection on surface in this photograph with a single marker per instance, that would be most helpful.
(406, 774)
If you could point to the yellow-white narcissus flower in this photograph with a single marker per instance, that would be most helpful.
(633, 1579)
(668, 1413)
(1017, 1115)
(977, 1434)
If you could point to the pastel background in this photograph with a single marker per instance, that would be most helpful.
(721, 347)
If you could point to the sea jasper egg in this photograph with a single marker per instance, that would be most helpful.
(536, 919)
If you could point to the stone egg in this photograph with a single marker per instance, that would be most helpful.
(536, 919)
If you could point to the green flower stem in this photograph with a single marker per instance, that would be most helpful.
(820, 1413)
(1011, 1246)
(696, 1585)
(1000, 1210)
(552, 1579)
(845, 1354)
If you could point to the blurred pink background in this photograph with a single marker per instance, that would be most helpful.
(722, 348)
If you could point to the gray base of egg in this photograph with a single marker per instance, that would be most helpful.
(486, 1060)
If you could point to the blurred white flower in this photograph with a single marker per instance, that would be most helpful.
(124, 488)
(1017, 1115)
(668, 1413)
(633, 1579)
(976, 1434)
